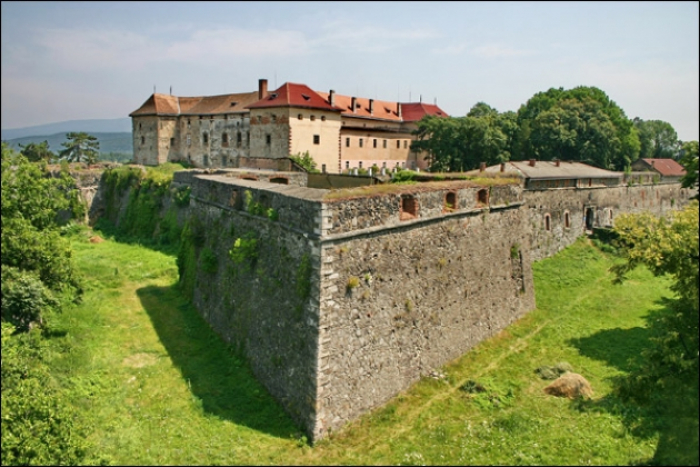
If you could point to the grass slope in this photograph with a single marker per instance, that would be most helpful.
(159, 387)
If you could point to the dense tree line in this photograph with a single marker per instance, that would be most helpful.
(38, 280)
(579, 124)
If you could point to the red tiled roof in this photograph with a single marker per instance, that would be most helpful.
(666, 167)
(383, 110)
(164, 104)
(293, 95)
(414, 111)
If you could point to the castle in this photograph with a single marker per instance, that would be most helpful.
(340, 299)
(339, 132)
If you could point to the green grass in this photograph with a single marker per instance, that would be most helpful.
(159, 387)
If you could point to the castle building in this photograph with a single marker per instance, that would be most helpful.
(339, 132)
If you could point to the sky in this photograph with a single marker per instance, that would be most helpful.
(84, 60)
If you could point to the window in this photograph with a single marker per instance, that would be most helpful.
(189, 124)
(274, 118)
(139, 126)
(247, 138)
(360, 142)
(323, 168)
(409, 208)
(360, 164)
(482, 197)
(205, 138)
(300, 117)
(224, 140)
(317, 139)
(374, 143)
(268, 139)
(312, 118)
(398, 144)
(450, 201)
(238, 138)
(405, 143)
(323, 118)
(189, 140)
(347, 142)
(347, 164)
(384, 144)
(611, 215)
(547, 222)
(143, 141)
(172, 142)
(567, 219)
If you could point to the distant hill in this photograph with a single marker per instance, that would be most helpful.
(109, 142)
(112, 125)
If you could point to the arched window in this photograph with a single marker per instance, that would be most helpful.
(567, 219)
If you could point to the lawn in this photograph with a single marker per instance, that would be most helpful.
(157, 386)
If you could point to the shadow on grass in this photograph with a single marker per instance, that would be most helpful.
(671, 410)
(217, 375)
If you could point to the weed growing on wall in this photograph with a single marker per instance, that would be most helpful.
(244, 251)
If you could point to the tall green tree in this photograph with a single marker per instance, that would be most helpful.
(658, 139)
(80, 147)
(462, 143)
(575, 123)
(35, 152)
(689, 161)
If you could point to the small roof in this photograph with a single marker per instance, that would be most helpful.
(294, 95)
(414, 111)
(666, 167)
(549, 170)
(165, 104)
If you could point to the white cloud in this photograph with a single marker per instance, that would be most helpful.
(368, 38)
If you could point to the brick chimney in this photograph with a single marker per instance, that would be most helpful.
(331, 97)
(353, 103)
(532, 162)
(482, 166)
(262, 88)
(398, 109)
(371, 106)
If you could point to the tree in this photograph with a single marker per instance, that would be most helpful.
(80, 146)
(689, 160)
(667, 246)
(305, 161)
(462, 143)
(35, 152)
(658, 139)
(575, 124)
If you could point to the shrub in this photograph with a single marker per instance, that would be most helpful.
(25, 299)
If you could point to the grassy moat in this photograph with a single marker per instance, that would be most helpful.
(157, 386)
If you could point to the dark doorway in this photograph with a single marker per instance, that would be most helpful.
(590, 213)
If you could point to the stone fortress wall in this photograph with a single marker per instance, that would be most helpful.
(341, 303)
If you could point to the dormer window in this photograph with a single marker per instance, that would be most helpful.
(233, 104)
(272, 96)
(306, 97)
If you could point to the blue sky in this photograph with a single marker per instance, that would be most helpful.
(69, 61)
